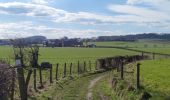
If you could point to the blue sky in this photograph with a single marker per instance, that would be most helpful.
(82, 18)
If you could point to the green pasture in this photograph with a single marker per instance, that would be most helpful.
(156, 50)
(150, 46)
(154, 73)
(136, 44)
(62, 55)
(155, 78)
(68, 56)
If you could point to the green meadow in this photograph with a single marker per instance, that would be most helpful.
(150, 46)
(62, 55)
(154, 73)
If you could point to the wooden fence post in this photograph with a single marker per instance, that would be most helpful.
(122, 65)
(40, 72)
(78, 67)
(84, 66)
(71, 69)
(96, 66)
(90, 65)
(13, 84)
(138, 76)
(142, 54)
(56, 76)
(35, 80)
(153, 56)
(65, 70)
(51, 74)
(118, 66)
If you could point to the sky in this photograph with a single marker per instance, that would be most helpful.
(82, 18)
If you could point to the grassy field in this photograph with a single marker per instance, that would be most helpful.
(156, 50)
(74, 89)
(55, 55)
(155, 78)
(66, 55)
(136, 44)
(154, 73)
(150, 46)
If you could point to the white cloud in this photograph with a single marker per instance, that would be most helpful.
(13, 30)
(153, 2)
(160, 5)
(42, 2)
(144, 13)
(30, 9)
(59, 15)
(154, 16)
(151, 12)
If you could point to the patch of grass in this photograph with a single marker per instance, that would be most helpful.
(75, 89)
(136, 44)
(103, 89)
(150, 46)
(119, 91)
(155, 78)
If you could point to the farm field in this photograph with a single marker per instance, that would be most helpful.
(75, 89)
(156, 50)
(57, 55)
(136, 44)
(67, 55)
(154, 80)
(157, 47)
(153, 73)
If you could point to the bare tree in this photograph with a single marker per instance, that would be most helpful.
(26, 57)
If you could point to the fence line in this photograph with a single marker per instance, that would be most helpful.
(77, 68)
(141, 51)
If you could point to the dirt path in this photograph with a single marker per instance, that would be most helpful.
(91, 85)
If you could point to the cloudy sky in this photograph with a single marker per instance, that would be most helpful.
(82, 18)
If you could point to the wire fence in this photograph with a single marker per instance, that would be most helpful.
(61, 68)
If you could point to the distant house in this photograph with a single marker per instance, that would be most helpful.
(92, 46)
(72, 43)
(64, 43)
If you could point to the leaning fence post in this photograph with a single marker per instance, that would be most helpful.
(35, 80)
(142, 54)
(84, 66)
(122, 65)
(65, 65)
(90, 65)
(138, 76)
(96, 66)
(153, 56)
(57, 71)
(51, 77)
(40, 72)
(78, 67)
(71, 69)
(118, 65)
(13, 84)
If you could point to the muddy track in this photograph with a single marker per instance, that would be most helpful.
(91, 85)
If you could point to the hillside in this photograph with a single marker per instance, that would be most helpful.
(135, 37)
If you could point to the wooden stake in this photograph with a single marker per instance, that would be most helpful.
(138, 76)
(51, 74)
(56, 76)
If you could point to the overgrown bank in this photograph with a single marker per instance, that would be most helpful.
(154, 83)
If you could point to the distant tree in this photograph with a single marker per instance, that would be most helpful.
(85, 42)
